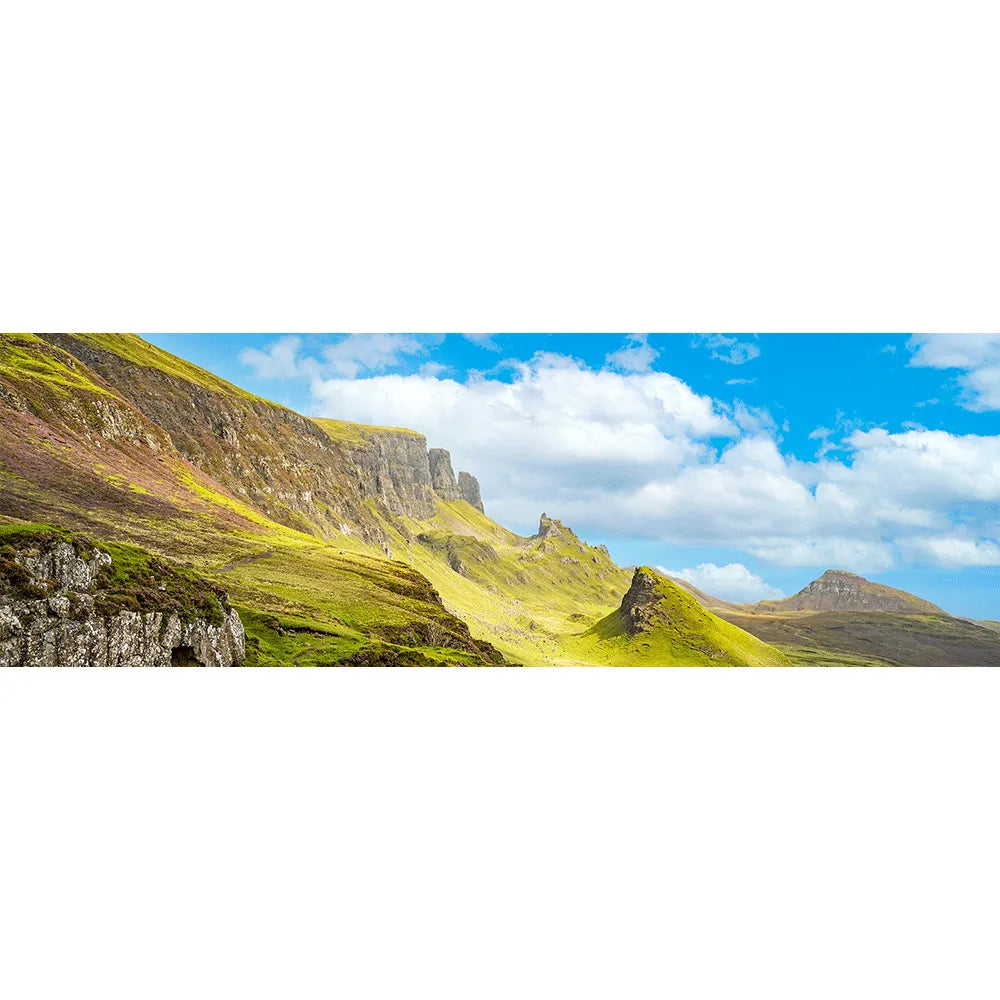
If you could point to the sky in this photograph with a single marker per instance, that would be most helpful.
(748, 464)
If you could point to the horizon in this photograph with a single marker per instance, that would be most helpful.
(745, 464)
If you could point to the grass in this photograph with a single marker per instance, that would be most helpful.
(351, 434)
(139, 352)
(835, 638)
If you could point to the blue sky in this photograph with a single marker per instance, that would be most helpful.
(752, 463)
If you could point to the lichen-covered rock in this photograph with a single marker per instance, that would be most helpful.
(468, 488)
(51, 596)
(442, 474)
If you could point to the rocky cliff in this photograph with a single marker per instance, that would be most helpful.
(66, 604)
(313, 475)
(468, 488)
(442, 475)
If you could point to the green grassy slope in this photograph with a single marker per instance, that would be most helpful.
(76, 454)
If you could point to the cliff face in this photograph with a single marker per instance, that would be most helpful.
(468, 488)
(313, 475)
(279, 462)
(60, 606)
(442, 474)
(392, 468)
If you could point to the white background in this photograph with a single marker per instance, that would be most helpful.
(510, 834)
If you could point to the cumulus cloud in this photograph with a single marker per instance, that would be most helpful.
(279, 360)
(977, 355)
(348, 356)
(732, 582)
(636, 356)
(732, 350)
(952, 552)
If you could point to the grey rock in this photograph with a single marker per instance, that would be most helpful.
(468, 488)
(442, 474)
(63, 630)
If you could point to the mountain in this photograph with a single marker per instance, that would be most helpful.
(658, 624)
(838, 590)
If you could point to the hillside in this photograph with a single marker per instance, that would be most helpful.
(658, 624)
(841, 619)
(873, 638)
(80, 452)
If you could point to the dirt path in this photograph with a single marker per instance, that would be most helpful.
(244, 560)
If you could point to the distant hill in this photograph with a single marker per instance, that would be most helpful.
(838, 590)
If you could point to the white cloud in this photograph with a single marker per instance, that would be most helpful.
(978, 355)
(888, 349)
(733, 582)
(952, 552)
(732, 350)
(636, 356)
(740, 381)
(280, 360)
(482, 340)
(434, 369)
(347, 357)
(359, 352)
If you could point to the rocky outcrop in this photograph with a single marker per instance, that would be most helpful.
(838, 590)
(639, 605)
(468, 489)
(58, 608)
(442, 475)
(549, 527)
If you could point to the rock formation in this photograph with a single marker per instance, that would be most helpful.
(468, 488)
(549, 527)
(58, 610)
(442, 475)
(639, 605)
